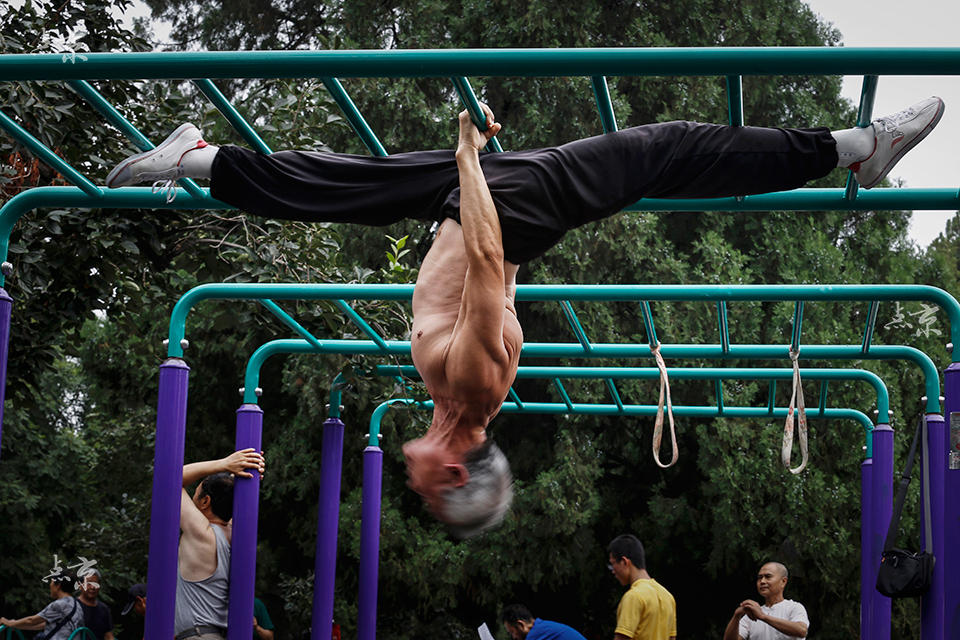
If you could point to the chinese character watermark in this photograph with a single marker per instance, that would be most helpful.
(923, 320)
(85, 569)
(55, 572)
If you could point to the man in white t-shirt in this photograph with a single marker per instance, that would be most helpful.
(777, 619)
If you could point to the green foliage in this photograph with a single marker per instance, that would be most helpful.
(93, 291)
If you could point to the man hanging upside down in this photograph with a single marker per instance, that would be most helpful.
(499, 210)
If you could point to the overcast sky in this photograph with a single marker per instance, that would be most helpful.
(885, 23)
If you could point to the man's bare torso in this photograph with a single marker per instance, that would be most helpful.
(460, 376)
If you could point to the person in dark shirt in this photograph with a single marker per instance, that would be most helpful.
(96, 614)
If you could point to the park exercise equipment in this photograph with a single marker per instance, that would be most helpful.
(939, 609)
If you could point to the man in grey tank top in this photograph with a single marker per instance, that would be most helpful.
(203, 567)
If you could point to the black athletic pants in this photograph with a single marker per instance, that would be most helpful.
(539, 194)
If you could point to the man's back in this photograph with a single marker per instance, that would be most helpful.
(647, 611)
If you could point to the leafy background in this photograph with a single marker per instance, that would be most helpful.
(93, 289)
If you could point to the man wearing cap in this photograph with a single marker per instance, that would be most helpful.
(137, 603)
(96, 615)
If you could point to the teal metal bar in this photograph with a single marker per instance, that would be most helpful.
(513, 396)
(575, 325)
(681, 373)
(703, 293)
(724, 329)
(336, 396)
(612, 388)
(871, 325)
(630, 410)
(354, 117)
(362, 325)
(237, 121)
(648, 323)
(438, 63)
(286, 319)
(823, 395)
(735, 100)
(469, 100)
(601, 93)
(864, 117)
(718, 390)
(44, 153)
(771, 396)
(104, 108)
(563, 393)
(797, 324)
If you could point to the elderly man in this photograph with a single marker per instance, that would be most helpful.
(777, 619)
(59, 619)
(96, 614)
(498, 210)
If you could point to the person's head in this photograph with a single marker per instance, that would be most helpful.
(517, 620)
(136, 600)
(214, 495)
(90, 587)
(771, 581)
(626, 557)
(470, 495)
(61, 585)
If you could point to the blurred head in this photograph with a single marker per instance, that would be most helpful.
(216, 492)
(771, 581)
(517, 620)
(625, 553)
(61, 585)
(90, 587)
(136, 600)
(471, 495)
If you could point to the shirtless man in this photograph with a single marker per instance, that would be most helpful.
(204, 554)
(497, 211)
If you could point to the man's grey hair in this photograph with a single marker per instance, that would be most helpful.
(482, 502)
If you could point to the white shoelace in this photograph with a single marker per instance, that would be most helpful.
(167, 186)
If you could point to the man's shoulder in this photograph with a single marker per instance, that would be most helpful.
(793, 609)
(550, 630)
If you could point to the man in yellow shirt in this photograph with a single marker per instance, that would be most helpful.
(647, 611)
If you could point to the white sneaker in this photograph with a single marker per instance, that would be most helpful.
(161, 163)
(895, 135)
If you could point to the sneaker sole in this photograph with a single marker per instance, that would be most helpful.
(907, 147)
(115, 179)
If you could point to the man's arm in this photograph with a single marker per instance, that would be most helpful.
(30, 623)
(732, 632)
(260, 632)
(479, 329)
(192, 522)
(793, 629)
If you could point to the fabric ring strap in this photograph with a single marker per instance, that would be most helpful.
(658, 424)
(796, 398)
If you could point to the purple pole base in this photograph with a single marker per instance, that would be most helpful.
(950, 561)
(933, 604)
(867, 588)
(243, 546)
(370, 543)
(6, 305)
(328, 520)
(165, 506)
(881, 500)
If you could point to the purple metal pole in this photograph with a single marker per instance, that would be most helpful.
(243, 546)
(328, 520)
(369, 543)
(933, 603)
(165, 506)
(6, 304)
(881, 499)
(951, 560)
(867, 588)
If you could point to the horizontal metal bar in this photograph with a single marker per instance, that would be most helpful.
(660, 61)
